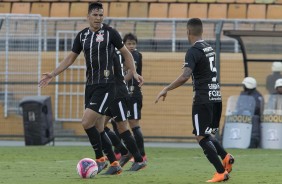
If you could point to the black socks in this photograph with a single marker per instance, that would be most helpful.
(211, 153)
(95, 140)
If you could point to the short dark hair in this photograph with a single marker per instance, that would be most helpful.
(129, 36)
(95, 5)
(195, 26)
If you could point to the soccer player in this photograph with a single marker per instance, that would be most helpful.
(96, 41)
(135, 100)
(118, 110)
(207, 106)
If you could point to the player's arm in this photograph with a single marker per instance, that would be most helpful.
(47, 77)
(129, 64)
(175, 84)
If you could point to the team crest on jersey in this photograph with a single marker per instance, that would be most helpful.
(100, 37)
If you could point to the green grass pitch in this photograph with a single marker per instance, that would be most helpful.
(57, 165)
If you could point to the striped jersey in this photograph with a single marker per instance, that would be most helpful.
(98, 49)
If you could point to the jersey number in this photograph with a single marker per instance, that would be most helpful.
(212, 67)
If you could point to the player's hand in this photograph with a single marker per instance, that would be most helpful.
(139, 78)
(163, 94)
(45, 79)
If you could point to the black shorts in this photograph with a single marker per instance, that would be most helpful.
(206, 118)
(135, 106)
(98, 97)
(118, 109)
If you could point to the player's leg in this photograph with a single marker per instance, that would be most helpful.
(119, 111)
(227, 158)
(135, 106)
(119, 147)
(89, 121)
(202, 115)
(99, 102)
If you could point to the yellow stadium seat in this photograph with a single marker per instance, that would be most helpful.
(237, 11)
(256, 11)
(217, 11)
(118, 9)
(178, 10)
(42, 8)
(206, 1)
(5, 7)
(147, 0)
(138, 10)
(167, 1)
(225, 1)
(274, 12)
(158, 10)
(186, 1)
(78, 9)
(245, 1)
(22, 8)
(60, 9)
(198, 10)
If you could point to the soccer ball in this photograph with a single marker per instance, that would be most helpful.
(87, 168)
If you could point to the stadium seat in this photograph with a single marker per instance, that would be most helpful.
(225, 1)
(198, 10)
(158, 10)
(245, 1)
(217, 11)
(59, 9)
(256, 11)
(167, 1)
(274, 12)
(5, 7)
(178, 10)
(49, 0)
(147, 0)
(138, 10)
(106, 9)
(10, 0)
(206, 1)
(237, 11)
(186, 1)
(78, 9)
(42, 8)
(265, 1)
(118, 9)
(22, 8)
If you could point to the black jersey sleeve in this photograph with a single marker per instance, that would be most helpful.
(191, 58)
(116, 39)
(77, 47)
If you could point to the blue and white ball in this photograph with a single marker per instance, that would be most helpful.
(87, 168)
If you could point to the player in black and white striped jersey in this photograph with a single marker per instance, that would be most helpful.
(96, 42)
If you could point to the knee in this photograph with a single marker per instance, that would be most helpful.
(122, 127)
